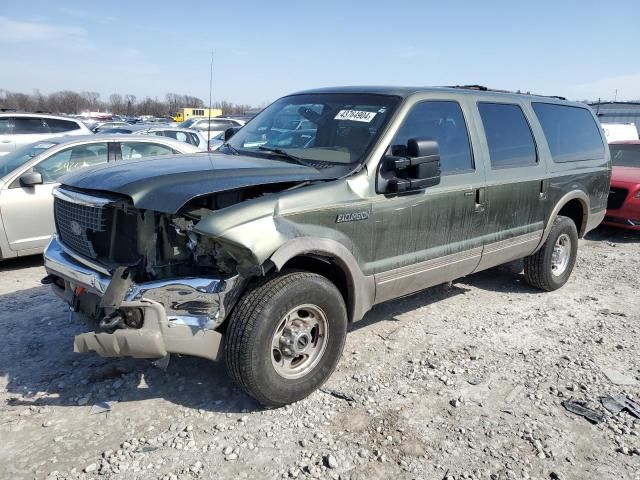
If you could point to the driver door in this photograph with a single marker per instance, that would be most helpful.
(433, 235)
(27, 212)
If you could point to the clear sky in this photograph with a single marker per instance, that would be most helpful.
(264, 49)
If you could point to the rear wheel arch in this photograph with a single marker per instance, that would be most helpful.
(574, 205)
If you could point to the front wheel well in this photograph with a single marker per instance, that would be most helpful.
(327, 268)
(576, 211)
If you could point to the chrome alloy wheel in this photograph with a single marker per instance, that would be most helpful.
(299, 341)
(561, 255)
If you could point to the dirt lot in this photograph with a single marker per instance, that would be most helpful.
(462, 381)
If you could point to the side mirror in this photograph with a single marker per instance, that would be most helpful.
(31, 179)
(410, 168)
(230, 132)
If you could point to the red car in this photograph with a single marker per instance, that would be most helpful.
(623, 207)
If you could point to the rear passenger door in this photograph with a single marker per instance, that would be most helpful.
(515, 196)
(434, 235)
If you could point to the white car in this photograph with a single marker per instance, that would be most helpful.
(28, 176)
(186, 135)
(211, 127)
(18, 129)
(620, 132)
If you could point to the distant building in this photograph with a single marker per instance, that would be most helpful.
(617, 112)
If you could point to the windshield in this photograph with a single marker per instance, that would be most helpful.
(17, 158)
(317, 129)
(625, 155)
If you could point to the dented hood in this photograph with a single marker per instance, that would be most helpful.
(165, 184)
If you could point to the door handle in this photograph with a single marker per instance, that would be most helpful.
(480, 200)
(6, 141)
(544, 186)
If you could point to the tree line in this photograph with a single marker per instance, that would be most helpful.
(70, 102)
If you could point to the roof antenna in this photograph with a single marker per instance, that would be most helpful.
(615, 96)
(210, 98)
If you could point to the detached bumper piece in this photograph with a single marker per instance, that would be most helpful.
(178, 315)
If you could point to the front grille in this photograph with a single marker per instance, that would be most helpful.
(617, 196)
(80, 226)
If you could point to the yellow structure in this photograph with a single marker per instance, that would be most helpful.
(186, 113)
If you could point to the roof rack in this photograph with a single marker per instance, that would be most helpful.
(482, 88)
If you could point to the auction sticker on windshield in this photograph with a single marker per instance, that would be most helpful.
(355, 115)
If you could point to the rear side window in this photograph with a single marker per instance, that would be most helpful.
(508, 134)
(571, 132)
(5, 125)
(57, 126)
(132, 150)
(441, 121)
(26, 125)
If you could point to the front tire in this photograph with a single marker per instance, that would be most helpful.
(551, 266)
(285, 337)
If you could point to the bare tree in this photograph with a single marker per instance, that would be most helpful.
(67, 101)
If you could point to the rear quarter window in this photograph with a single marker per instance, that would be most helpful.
(571, 132)
(57, 126)
(29, 125)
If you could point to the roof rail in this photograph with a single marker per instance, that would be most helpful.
(482, 88)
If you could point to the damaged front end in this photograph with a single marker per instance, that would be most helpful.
(145, 281)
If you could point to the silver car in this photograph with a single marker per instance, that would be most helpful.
(28, 175)
(186, 135)
(18, 129)
(210, 126)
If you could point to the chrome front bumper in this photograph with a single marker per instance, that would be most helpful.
(180, 315)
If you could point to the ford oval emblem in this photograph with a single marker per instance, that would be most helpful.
(75, 228)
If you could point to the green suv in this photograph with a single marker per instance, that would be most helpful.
(326, 203)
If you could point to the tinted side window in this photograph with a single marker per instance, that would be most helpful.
(442, 121)
(508, 134)
(131, 150)
(71, 159)
(29, 125)
(57, 125)
(5, 125)
(571, 132)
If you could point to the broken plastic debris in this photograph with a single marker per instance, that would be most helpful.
(162, 363)
(579, 408)
(338, 394)
(100, 407)
(617, 403)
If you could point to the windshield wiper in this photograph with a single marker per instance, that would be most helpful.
(282, 153)
(233, 149)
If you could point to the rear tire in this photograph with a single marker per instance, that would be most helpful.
(285, 337)
(551, 266)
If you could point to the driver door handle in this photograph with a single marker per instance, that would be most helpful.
(480, 200)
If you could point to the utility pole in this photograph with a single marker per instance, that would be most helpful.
(210, 100)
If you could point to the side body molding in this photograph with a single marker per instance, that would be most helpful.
(361, 287)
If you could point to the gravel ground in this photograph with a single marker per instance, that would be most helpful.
(461, 381)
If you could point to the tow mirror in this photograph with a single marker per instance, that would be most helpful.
(410, 168)
(230, 132)
(31, 179)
